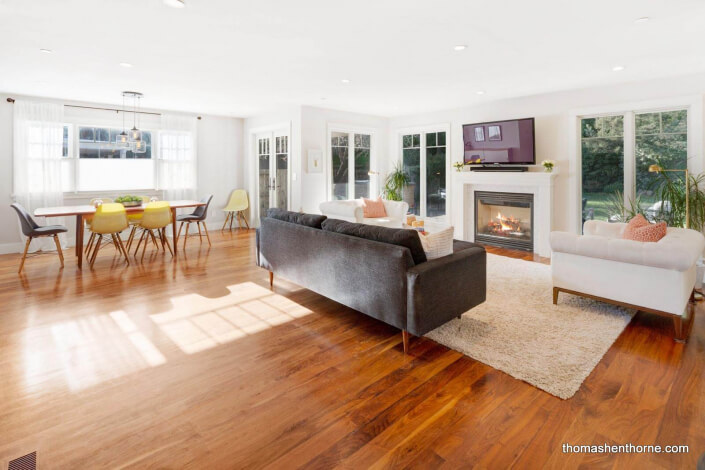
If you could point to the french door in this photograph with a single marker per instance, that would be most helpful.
(272, 171)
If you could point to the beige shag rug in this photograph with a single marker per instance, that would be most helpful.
(518, 330)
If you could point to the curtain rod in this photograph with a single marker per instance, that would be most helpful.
(12, 100)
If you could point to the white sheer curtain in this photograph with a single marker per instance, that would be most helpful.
(178, 170)
(38, 141)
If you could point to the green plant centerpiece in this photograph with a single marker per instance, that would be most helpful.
(129, 201)
(395, 182)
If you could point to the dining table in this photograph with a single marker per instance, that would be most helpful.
(81, 211)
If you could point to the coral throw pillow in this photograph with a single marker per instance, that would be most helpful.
(643, 231)
(637, 221)
(372, 209)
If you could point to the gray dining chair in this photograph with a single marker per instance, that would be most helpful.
(31, 230)
(199, 217)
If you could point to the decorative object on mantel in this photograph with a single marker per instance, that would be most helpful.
(553, 349)
(548, 165)
(395, 182)
(458, 166)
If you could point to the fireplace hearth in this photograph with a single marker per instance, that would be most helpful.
(505, 219)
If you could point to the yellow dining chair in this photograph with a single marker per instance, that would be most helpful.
(134, 219)
(236, 207)
(156, 216)
(88, 218)
(109, 219)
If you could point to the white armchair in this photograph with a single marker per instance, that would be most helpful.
(351, 210)
(653, 277)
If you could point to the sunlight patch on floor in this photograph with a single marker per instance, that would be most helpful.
(196, 323)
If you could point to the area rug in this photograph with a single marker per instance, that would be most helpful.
(519, 331)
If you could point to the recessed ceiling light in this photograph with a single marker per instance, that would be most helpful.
(345, 81)
(46, 51)
(460, 47)
(127, 65)
(323, 98)
(480, 92)
(175, 3)
(643, 19)
(617, 68)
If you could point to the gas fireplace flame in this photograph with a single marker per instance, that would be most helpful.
(505, 224)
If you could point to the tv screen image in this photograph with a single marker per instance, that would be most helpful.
(499, 142)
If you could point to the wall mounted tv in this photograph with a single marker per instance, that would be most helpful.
(500, 143)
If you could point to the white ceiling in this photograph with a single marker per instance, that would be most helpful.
(240, 58)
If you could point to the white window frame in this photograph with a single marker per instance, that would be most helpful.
(696, 160)
(351, 130)
(423, 130)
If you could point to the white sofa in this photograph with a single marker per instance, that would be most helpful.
(653, 277)
(351, 210)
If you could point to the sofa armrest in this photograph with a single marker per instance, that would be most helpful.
(349, 210)
(443, 288)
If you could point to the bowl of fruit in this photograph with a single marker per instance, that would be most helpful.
(129, 201)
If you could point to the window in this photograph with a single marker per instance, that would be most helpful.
(616, 152)
(99, 142)
(350, 150)
(424, 158)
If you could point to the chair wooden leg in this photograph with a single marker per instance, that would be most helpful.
(271, 279)
(146, 242)
(131, 238)
(96, 249)
(24, 255)
(227, 215)
(200, 235)
(123, 249)
(231, 222)
(58, 249)
(555, 295)
(139, 242)
(405, 340)
(154, 239)
(208, 237)
(166, 241)
(242, 213)
(90, 243)
(678, 327)
(188, 224)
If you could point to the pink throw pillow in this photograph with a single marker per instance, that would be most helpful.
(639, 229)
(372, 209)
(637, 221)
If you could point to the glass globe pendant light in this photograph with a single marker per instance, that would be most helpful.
(122, 140)
(134, 134)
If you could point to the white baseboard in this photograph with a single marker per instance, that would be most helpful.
(7, 248)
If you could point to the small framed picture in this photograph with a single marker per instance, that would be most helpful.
(479, 134)
(495, 132)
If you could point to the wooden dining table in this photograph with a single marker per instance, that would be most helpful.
(80, 212)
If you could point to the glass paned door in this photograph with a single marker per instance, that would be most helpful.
(435, 174)
(339, 164)
(362, 166)
(273, 171)
(411, 162)
(602, 150)
(348, 151)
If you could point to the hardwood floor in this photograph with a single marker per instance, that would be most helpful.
(195, 363)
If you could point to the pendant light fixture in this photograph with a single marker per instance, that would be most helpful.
(134, 134)
(139, 146)
(122, 141)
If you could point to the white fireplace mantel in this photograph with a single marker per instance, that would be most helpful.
(540, 184)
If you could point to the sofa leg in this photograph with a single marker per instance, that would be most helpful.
(459, 317)
(271, 279)
(678, 327)
(405, 340)
(555, 295)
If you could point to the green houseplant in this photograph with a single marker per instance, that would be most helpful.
(395, 182)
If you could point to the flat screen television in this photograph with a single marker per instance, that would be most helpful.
(500, 143)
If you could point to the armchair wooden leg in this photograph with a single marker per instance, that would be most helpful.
(166, 241)
(271, 279)
(131, 238)
(154, 239)
(405, 340)
(178, 234)
(96, 249)
(24, 255)
(208, 237)
(678, 327)
(90, 243)
(121, 247)
(58, 249)
(200, 235)
(139, 242)
(555, 295)
(188, 224)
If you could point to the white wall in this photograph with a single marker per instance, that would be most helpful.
(220, 165)
(553, 120)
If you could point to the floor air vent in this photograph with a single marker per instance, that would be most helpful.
(26, 462)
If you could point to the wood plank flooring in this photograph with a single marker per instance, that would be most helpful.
(195, 363)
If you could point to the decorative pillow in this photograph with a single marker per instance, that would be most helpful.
(438, 244)
(637, 221)
(309, 220)
(372, 209)
(394, 236)
(649, 233)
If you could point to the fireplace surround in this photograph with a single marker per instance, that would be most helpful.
(504, 219)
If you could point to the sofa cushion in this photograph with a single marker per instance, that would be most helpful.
(394, 236)
(637, 222)
(649, 233)
(373, 208)
(438, 244)
(309, 220)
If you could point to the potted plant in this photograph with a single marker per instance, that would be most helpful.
(548, 165)
(394, 183)
(129, 201)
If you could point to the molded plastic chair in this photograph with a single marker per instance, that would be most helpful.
(89, 218)
(31, 230)
(134, 220)
(157, 215)
(109, 219)
(198, 216)
(237, 205)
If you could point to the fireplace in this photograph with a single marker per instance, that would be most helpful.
(505, 219)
